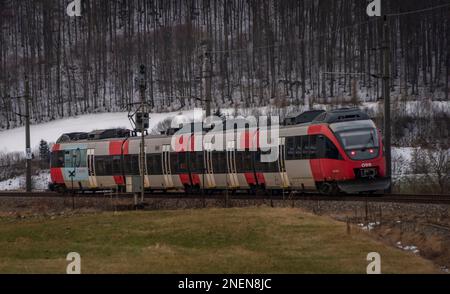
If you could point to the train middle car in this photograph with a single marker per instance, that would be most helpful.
(338, 151)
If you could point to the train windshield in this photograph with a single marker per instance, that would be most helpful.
(359, 139)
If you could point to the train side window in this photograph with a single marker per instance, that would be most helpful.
(151, 168)
(192, 161)
(174, 163)
(241, 162)
(259, 166)
(248, 161)
(107, 161)
(157, 160)
(290, 148)
(330, 150)
(116, 165)
(199, 161)
(312, 147)
(127, 168)
(135, 164)
(305, 147)
(57, 158)
(223, 162)
(219, 159)
(131, 164)
(154, 165)
(215, 156)
(299, 141)
(182, 162)
(157, 163)
(100, 166)
(195, 162)
(238, 159)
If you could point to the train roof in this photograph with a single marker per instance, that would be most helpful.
(341, 115)
(304, 119)
(296, 118)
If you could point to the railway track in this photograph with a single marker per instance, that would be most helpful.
(401, 198)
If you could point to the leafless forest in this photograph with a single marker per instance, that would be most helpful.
(255, 53)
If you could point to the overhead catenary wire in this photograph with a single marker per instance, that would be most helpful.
(418, 10)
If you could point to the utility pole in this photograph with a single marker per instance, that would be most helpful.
(27, 135)
(142, 88)
(387, 99)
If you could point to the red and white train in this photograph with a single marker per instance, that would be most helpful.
(338, 151)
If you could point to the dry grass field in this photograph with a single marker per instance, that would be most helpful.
(234, 240)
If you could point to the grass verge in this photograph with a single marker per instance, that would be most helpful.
(236, 240)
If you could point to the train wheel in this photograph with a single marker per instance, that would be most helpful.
(327, 188)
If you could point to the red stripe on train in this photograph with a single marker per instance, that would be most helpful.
(316, 170)
(249, 139)
(184, 178)
(250, 178)
(56, 147)
(56, 175)
(119, 180)
(115, 147)
(195, 179)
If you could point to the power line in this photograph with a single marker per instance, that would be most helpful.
(418, 11)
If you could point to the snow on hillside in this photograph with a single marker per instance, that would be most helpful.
(40, 182)
(14, 139)
(401, 160)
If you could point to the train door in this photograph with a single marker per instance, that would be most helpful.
(91, 168)
(165, 157)
(282, 163)
(209, 171)
(232, 177)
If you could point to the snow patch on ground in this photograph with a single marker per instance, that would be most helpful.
(401, 160)
(369, 227)
(410, 248)
(40, 182)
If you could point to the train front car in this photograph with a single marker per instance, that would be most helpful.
(355, 161)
